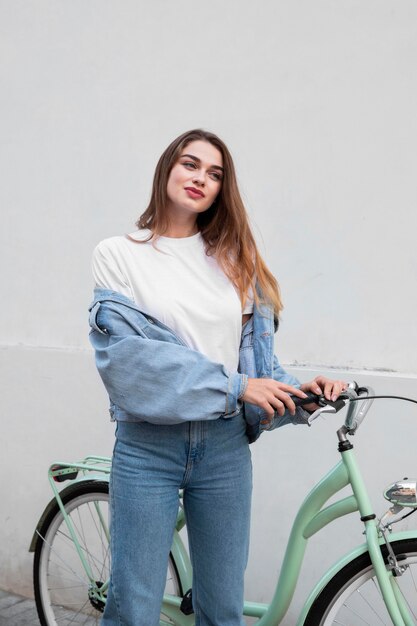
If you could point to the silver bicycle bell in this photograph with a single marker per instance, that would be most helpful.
(403, 492)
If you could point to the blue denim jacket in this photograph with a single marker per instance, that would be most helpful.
(151, 375)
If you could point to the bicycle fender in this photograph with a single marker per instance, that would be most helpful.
(52, 504)
(334, 569)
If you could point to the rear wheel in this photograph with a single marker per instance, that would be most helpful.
(64, 593)
(352, 597)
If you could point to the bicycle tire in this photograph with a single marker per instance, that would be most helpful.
(61, 584)
(352, 596)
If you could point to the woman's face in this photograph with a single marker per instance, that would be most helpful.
(195, 179)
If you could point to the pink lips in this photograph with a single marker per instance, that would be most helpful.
(194, 193)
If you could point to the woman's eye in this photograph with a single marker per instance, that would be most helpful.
(189, 164)
(216, 176)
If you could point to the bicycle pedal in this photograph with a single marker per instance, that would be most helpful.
(186, 605)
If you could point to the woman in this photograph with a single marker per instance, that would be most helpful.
(182, 324)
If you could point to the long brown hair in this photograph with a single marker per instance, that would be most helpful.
(224, 226)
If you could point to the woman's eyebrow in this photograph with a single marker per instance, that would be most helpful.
(213, 167)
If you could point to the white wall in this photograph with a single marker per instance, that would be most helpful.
(317, 103)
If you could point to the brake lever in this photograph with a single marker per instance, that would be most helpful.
(327, 406)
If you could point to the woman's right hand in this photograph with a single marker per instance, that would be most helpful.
(271, 395)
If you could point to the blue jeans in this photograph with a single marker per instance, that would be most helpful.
(211, 461)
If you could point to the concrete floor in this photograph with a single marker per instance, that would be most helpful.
(17, 611)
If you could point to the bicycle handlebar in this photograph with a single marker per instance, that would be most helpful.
(356, 410)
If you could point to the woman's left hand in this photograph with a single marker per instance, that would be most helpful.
(331, 389)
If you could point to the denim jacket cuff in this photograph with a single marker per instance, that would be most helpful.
(244, 384)
(235, 390)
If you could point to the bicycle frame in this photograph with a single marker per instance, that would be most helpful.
(311, 517)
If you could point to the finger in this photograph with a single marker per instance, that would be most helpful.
(318, 387)
(271, 405)
(328, 386)
(300, 393)
(286, 401)
(277, 404)
(289, 403)
(338, 387)
(313, 386)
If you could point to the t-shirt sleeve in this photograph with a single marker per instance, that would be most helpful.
(107, 273)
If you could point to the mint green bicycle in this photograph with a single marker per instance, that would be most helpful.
(375, 583)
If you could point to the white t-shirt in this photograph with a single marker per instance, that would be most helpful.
(180, 286)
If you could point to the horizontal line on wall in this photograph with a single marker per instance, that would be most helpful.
(378, 371)
(28, 346)
(296, 365)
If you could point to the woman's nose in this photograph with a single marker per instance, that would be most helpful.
(198, 178)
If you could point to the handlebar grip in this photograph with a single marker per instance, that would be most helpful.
(311, 398)
(321, 401)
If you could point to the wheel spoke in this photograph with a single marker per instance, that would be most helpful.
(370, 606)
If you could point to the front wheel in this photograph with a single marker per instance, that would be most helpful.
(352, 597)
(64, 592)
